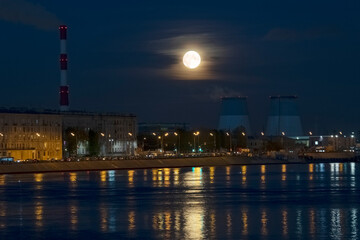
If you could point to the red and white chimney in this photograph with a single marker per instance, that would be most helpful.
(64, 88)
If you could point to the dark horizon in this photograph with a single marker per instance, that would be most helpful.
(127, 58)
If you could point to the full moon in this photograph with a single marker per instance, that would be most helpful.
(191, 59)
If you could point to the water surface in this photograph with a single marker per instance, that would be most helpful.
(309, 201)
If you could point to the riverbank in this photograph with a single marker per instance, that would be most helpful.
(139, 164)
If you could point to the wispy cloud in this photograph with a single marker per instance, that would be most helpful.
(176, 41)
(21, 11)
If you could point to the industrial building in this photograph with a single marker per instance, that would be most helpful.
(234, 114)
(284, 118)
(149, 128)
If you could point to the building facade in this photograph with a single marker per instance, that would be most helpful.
(30, 135)
(99, 134)
(51, 135)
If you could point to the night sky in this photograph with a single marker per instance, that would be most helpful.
(125, 56)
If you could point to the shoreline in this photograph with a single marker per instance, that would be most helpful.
(148, 163)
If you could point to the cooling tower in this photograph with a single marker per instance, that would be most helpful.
(284, 117)
(234, 113)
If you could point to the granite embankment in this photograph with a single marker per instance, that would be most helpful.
(133, 164)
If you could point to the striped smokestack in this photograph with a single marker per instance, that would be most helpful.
(64, 88)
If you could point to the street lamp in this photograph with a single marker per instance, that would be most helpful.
(161, 143)
(310, 133)
(178, 147)
(229, 135)
(213, 135)
(73, 135)
(196, 134)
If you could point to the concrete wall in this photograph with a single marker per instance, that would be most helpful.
(130, 164)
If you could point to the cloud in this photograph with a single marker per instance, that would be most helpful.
(217, 92)
(21, 11)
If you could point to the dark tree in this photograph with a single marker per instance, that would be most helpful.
(94, 146)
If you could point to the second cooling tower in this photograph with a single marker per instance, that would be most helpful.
(284, 117)
(234, 114)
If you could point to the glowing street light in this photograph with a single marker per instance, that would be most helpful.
(262, 133)
(283, 133)
(130, 134)
(102, 134)
(213, 135)
(1, 134)
(243, 134)
(196, 134)
(154, 134)
(72, 134)
(178, 147)
(310, 133)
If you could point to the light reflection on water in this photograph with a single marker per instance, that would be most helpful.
(269, 201)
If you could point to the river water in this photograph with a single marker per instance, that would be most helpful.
(308, 201)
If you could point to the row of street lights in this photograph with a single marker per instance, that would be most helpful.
(195, 134)
(102, 134)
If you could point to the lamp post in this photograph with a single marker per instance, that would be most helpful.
(178, 146)
(103, 144)
(73, 135)
(161, 144)
(128, 142)
(229, 135)
(282, 139)
(213, 135)
(196, 134)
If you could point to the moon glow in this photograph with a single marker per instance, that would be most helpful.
(191, 59)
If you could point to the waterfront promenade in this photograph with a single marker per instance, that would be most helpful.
(136, 164)
(139, 164)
